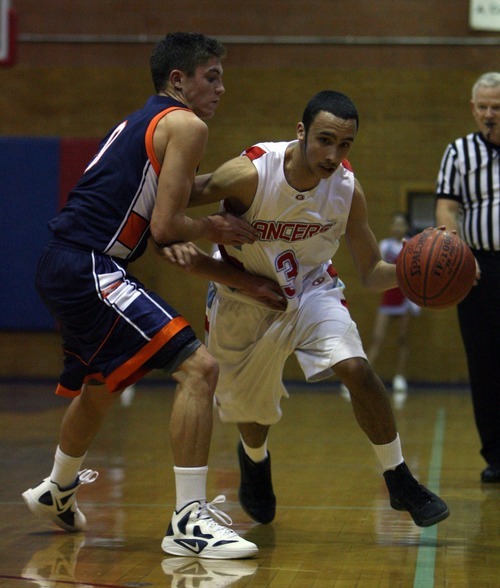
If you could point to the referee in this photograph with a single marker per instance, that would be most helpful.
(468, 200)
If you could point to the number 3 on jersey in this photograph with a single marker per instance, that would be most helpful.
(287, 263)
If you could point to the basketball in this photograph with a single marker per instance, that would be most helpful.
(435, 269)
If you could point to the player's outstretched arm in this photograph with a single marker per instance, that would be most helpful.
(374, 273)
(234, 181)
(192, 259)
(179, 142)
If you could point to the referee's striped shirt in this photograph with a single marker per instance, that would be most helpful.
(470, 175)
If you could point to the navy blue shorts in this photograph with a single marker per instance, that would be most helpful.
(114, 330)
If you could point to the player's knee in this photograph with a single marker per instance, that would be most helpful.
(96, 398)
(209, 369)
(202, 367)
(354, 372)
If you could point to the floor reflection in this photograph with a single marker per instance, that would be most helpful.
(56, 562)
(207, 572)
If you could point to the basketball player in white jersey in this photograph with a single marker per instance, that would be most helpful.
(301, 196)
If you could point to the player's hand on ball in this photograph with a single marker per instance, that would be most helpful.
(436, 269)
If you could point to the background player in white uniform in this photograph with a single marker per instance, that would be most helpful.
(301, 196)
(394, 307)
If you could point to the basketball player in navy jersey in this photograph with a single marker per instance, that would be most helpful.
(301, 196)
(114, 329)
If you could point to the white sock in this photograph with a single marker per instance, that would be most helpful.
(65, 469)
(190, 485)
(256, 454)
(389, 454)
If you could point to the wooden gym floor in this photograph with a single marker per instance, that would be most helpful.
(334, 526)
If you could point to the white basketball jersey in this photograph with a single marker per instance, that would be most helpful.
(299, 231)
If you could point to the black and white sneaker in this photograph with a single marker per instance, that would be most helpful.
(256, 488)
(425, 507)
(194, 533)
(48, 501)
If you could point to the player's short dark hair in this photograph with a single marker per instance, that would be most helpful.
(183, 51)
(336, 103)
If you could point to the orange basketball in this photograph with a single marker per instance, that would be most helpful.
(435, 269)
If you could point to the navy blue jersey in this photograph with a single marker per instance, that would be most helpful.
(110, 208)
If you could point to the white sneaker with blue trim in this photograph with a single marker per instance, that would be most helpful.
(48, 501)
(194, 533)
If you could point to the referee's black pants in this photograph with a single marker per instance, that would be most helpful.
(479, 318)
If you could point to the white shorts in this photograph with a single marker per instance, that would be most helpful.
(252, 344)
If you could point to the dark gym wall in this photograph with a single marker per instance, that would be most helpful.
(408, 65)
